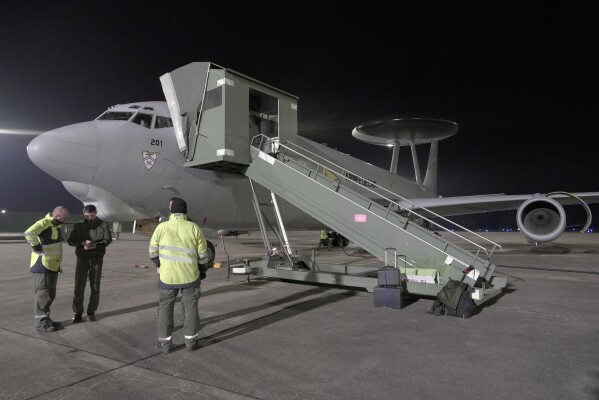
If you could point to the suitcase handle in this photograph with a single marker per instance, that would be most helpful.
(395, 257)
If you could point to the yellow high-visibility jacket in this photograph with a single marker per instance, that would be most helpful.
(47, 237)
(179, 245)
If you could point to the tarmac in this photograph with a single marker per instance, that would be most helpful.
(272, 339)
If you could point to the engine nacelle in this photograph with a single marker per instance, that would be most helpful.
(541, 219)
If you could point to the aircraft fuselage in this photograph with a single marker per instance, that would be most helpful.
(129, 170)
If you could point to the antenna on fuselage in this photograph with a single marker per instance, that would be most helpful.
(397, 131)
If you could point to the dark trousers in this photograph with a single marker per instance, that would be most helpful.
(92, 268)
(44, 286)
(166, 310)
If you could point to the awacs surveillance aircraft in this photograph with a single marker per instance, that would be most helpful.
(134, 157)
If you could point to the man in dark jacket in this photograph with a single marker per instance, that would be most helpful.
(90, 237)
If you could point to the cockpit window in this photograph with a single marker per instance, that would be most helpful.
(163, 122)
(115, 116)
(142, 119)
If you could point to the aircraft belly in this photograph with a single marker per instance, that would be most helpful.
(223, 200)
(217, 200)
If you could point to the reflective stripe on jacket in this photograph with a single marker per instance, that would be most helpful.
(180, 245)
(49, 236)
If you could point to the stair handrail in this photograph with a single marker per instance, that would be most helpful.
(276, 146)
(442, 250)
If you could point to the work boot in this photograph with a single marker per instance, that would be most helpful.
(166, 346)
(91, 317)
(46, 326)
(77, 319)
(57, 325)
(192, 345)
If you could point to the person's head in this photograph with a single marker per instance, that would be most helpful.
(90, 212)
(170, 201)
(178, 205)
(60, 214)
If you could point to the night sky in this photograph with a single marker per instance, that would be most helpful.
(521, 80)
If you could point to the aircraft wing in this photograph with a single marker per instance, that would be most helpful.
(25, 132)
(540, 217)
(12, 236)
(460, 205)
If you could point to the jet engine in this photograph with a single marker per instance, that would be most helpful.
(541, 219)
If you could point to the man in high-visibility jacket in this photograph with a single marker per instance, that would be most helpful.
(179, 251)
(45, 239)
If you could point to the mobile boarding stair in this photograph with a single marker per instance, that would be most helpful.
(375, 221)
(217, 111)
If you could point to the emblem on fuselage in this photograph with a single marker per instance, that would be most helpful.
(149, 158)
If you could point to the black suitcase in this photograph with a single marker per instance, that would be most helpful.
(388, 297)
(389, 276)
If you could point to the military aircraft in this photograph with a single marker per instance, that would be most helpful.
(128, 162)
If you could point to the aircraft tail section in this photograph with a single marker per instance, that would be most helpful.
(430, 179)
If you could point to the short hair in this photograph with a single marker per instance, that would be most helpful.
(178, 206)
(60, 210)
(170, 201)
(90, 208)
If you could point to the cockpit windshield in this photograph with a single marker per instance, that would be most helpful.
(138, 117)
(163, 122)
(144, 120)
(115, 116)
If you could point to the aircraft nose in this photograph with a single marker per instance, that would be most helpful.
(70, 153)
